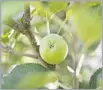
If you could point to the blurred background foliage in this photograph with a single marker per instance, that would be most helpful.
(15, 43)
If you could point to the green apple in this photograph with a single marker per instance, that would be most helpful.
(53, 49)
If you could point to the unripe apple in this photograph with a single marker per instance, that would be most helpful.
(53, 49)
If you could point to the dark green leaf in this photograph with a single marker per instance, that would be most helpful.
(83, 85)
(95, 78)
(28, 76)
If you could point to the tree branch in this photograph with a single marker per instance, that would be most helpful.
(25, 28)
(28, 31)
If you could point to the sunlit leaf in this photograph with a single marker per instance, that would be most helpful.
(5, 32)
(5, 38)
(68, 13)
(56, 6)
(43, 7)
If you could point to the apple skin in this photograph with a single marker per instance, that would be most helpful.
(53, 49)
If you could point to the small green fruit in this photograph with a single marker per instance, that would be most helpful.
(53, 49)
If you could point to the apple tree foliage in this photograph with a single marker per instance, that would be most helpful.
(24, 24)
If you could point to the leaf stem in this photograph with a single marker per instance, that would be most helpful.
(70, 69)
(61, 26)
(80, 63)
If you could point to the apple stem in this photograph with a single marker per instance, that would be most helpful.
(48, 24)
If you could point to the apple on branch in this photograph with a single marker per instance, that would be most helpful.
(53, 49)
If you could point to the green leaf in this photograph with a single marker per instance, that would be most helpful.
(83, 85)
(68, 13)
(28, 76)
(4, 37)
(57, 6)
(37, 80)
(93, 47)
(42, 8)
(96, 79)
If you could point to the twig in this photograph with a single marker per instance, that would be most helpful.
(80, 63)
(64, 22)
(76, 80)
(21, 54)
(70, 69)
(74, 57)
(24, 27)
(77, 66)
(11, 51)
